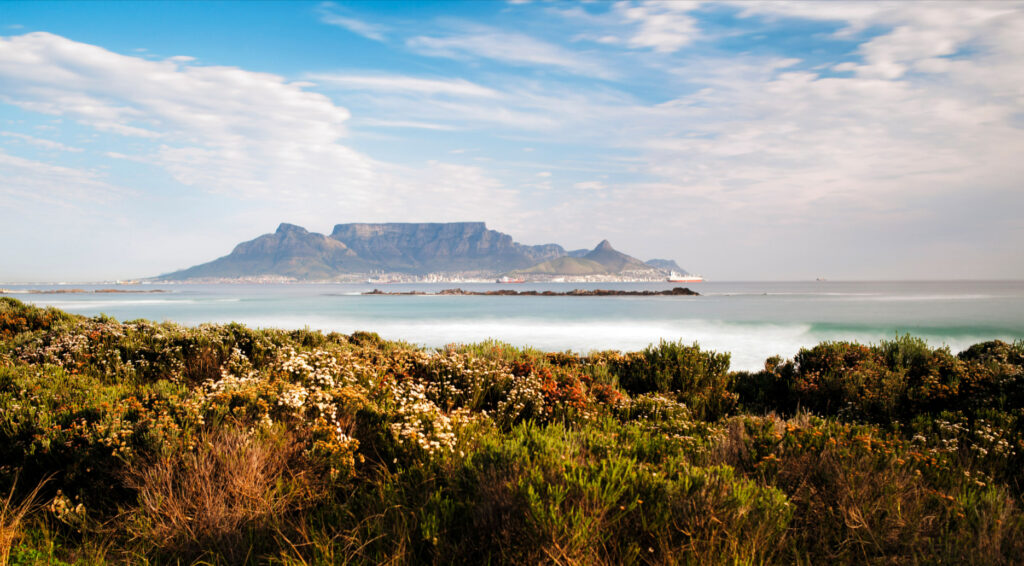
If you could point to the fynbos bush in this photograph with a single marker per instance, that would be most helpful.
(698, 378)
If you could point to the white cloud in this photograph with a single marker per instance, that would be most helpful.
(231, 131)
(663, 26)
(29, 181)
(205, 117)
(359, 27)
(404, 84)
(922, 138)
(40, 142)
(509, 48)
(921, 33)
(590, 186)
(372, 122)
(749, 154)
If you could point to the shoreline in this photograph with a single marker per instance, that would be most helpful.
(674, 292)
(78, 291)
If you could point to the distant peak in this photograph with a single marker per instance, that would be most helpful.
(605, 245)
(284, 228)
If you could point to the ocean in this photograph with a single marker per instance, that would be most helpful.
(751, 320)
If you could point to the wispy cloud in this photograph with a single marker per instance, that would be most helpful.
(406, 124)
(590, 186)
(902, 117)
(510, 48)
(329, 16)
(663, 26)
(26, 180)
(228, 131)
(208, 138)
(40, 142)
(403, 84)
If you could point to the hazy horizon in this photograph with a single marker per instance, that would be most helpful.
(747, 141)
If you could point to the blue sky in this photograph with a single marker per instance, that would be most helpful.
(746, 140)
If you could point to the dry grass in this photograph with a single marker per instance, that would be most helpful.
(222, 496)
(12, 517)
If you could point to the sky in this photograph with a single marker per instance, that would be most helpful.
(745, 140)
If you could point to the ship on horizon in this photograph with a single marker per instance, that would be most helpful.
(674, 277)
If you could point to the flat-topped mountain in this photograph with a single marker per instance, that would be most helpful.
(434, 247)
(409, 248)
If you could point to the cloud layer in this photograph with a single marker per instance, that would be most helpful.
(884, 138)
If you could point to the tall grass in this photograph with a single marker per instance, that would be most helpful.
(14, 512)
(222, 497)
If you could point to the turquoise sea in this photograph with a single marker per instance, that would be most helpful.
(751, 320)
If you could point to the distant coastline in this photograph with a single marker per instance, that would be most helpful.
(76, 291)
(676, 291)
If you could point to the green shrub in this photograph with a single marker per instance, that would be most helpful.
(698, 378)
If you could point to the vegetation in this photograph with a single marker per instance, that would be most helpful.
(567, 266)
(154, 443)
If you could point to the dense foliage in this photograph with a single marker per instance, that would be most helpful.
(140, 442)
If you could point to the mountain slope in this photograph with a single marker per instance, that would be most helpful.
(603, 259)
(291, 251)
(615, 261)
(667, 265)
(566, 266)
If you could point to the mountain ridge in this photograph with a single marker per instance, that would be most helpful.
(421, 248)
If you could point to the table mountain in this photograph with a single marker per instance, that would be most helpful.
(437, 247)
(412, 248)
